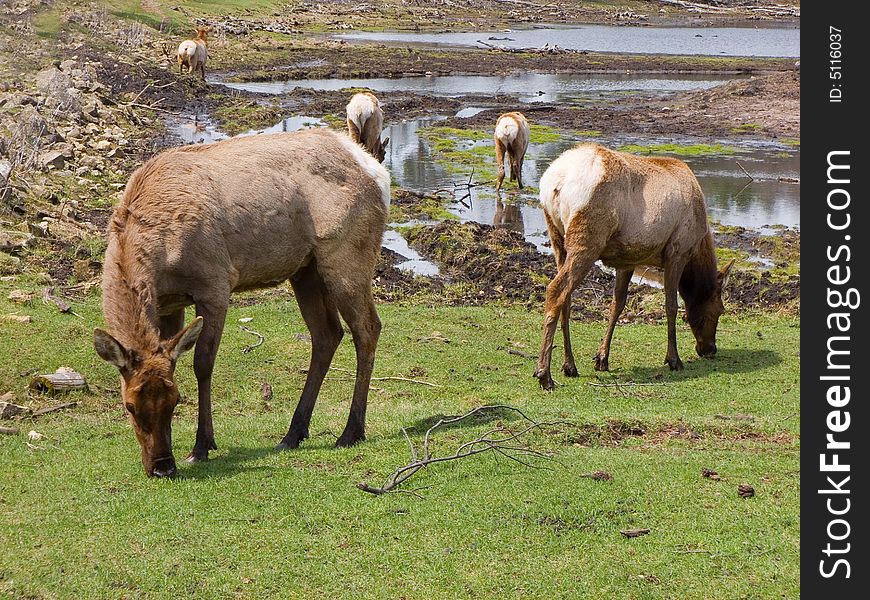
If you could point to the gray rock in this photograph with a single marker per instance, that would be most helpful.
(52, 159)
(5, 172)
(14, 241)
(9, 410)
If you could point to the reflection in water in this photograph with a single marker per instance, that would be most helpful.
(764, 201)
(529, 87)
(732, 198)
(710, 41)
(509, 216)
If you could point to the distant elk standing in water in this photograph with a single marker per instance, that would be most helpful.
(193, 54)
(628, 211)
(196, 224)
(365, 121)
(511, 138)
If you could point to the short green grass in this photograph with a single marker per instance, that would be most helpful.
(679, 149)
(79, 518)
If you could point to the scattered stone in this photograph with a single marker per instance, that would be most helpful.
(20, 296)
(744, 490)
(710, 474)
(598, 476)
(9, 410)
(17, 318)
(52, 159)
(14, 241)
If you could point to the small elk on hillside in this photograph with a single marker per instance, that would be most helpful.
(193, 54)
(196, 224)
(628, 211)
(511, 138)
(365, 121)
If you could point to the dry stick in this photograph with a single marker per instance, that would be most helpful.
(51, 409)
(485, 443)
(389, 378)
(259, 342)
(744, 170)
(621, 384)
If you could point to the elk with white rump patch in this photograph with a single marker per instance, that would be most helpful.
(365, 120)
(511, 138)
(196, 224)
(193, 54)
(628, 211)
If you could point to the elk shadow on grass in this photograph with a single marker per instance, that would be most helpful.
(727, 360)
(237, 459)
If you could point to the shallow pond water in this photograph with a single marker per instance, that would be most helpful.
(528, 87)
(706, 41)
(732, 197)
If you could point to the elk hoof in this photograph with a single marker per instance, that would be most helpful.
(545, 379)
(349, 439)
(196, 456)
(570, 370)
(675, 364)
(291, 440)
(601, 362)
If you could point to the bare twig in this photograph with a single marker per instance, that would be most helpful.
(520, 353)
(258, 343)
(498, 440)
(387, 378)
(745, 171)
(51, 409)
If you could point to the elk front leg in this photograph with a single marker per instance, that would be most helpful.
(213, 315)
(617, 305)
(673, 272)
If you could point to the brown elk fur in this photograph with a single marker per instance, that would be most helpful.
(365, 121)
(193, 54)
(198, 223)
(628, 211)
(511, 139)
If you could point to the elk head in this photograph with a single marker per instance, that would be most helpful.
(149, 392)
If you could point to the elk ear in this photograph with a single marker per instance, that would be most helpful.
(110, 349)
(384, 143)
(185, 340)
(724, 273)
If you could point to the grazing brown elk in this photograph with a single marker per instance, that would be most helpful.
(196, 224)
(511, 138)
(193, 54)
(628, 211)
(365, 120)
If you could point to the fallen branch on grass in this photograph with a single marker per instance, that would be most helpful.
(500, 440)
(388, 378)
(257, 344)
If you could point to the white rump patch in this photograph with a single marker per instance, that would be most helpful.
(507, 129)
(574, 174)
(360, 108)
(369, 164)
(187, 48)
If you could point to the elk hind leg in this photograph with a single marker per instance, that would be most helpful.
(321, 318)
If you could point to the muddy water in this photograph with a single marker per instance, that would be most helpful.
(707, 41)
(529, 87)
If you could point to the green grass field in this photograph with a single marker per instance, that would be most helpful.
(79, 519)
